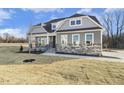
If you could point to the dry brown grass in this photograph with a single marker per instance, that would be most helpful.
(14, 44)
(11, 55)
(76, 71)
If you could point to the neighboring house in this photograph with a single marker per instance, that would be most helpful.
(76, 34)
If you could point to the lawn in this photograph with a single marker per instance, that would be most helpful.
(76, 71)
(55, 70)
(11, 55)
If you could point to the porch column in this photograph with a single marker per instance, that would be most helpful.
(47, 39)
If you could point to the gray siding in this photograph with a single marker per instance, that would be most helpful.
(97, 37)
(86, 23)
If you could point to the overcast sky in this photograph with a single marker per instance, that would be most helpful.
(16, 21)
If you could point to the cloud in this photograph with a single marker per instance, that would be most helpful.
(111, 10)
(12, 31)
(4, 15)
(45, 10)
(84, 10)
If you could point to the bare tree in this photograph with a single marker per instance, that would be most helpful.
(7, 38)
(108, 26)
(119, 16)
(1, 39)
(114, 24)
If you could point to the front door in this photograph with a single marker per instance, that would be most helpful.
(54, 41)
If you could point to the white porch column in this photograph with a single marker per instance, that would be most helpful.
(47, 39)
(101, 40)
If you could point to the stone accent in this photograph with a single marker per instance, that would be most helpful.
(81, 49)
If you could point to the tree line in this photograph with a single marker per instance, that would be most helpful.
(7, 38)
(114, 26)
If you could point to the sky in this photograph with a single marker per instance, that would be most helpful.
(16, 21)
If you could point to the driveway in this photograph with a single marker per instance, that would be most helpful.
(114, 56)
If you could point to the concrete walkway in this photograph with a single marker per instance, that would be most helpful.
(117, 56)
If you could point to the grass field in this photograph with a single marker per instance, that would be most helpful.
(56, 70)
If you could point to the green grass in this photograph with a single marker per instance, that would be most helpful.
(10, 55)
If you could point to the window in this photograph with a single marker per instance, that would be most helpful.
(89, 39)
(43, 41)
(78, 22)
(72, 22)
(37, 41)
(53, 27)
(75, 22)
(64, 39)
(76, 39)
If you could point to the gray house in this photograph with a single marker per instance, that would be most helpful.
(76, 34)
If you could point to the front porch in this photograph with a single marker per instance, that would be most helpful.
(45, 41)
(69, 49)
(48, 43)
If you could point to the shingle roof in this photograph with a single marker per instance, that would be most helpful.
(95, 19)
(76, 15)
(51, 21)
(47, 26)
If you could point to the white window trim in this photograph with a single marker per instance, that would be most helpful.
(92, 37)
(70, 22)
(73, 38)
(66, 40)
(75, 22)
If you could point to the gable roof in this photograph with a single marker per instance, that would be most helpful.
(47, 25)
(95, 19)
